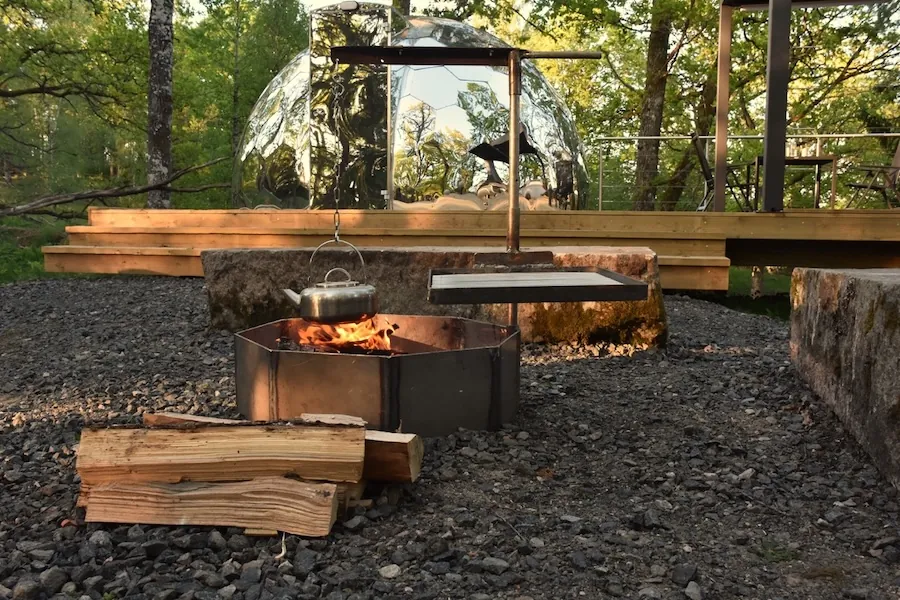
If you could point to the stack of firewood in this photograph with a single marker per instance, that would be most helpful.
(295, 477)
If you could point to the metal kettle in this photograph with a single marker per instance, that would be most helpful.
(335, 301)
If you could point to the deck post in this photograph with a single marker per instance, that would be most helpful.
(777, 76)
(723, 90)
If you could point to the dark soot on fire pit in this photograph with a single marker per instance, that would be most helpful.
(291, 345)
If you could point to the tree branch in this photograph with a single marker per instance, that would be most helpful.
(57, 199)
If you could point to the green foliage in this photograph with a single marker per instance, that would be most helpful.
(73, 88)
(773, 283)
(20, 248)
(844, 79)
(73, 76)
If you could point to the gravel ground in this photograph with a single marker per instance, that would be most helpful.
(705, 471)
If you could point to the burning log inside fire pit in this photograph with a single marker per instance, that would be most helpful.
(365, 337)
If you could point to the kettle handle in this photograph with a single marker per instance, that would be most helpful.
(325, 243)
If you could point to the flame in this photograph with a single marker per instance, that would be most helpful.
(362, 335)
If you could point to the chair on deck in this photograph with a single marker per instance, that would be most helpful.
(884, 179)
(740, 190)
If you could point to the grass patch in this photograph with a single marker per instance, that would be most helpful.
(773, 283)
(772, 552)
(20, 247)
(775, 302)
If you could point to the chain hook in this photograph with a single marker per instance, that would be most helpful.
(337, 91)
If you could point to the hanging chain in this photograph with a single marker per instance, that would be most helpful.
(337, 92)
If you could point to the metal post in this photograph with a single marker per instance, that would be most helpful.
(515, 92)
(600, 180)
(722, 94)
(513, 215)
(390, 116)
(777, 77)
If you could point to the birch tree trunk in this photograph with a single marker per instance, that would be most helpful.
(647, 167)
(159, 93)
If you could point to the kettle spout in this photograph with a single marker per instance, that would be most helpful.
(293, 296)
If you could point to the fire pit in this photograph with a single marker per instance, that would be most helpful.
(420, 374)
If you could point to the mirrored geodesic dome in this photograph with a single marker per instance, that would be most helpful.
(403, 137)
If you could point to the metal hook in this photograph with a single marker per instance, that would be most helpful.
(365, 277)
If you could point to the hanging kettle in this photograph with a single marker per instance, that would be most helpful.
(335, 301)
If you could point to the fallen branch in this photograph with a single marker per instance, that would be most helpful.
(119, 192)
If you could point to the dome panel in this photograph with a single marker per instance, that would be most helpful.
(400, 134)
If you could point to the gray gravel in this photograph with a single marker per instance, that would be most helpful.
(704, 471)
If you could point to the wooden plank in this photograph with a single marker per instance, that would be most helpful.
(822, 224)
(220, 453)
(690, 261)
(709, 278)
(390, 457)
(114, 263)
(395, 457)
(74, 230)
(273, 503)
(122, 264)
(168, 240)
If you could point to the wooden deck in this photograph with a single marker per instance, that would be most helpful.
(694, 249)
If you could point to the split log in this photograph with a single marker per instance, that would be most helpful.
(332, 419)
(395, 457)
(221, 453)
(349, 495)
(390, 457)
(269, 503)
(171, 418)
(261, 532)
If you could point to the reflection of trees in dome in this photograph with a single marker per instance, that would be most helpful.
(458, 108)
(353, 137)
(487, 117)
(430, 163)
(278, 181)
(414, 163)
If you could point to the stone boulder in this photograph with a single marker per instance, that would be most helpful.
(244, 289)
(845, 342)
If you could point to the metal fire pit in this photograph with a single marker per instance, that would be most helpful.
(454, 373)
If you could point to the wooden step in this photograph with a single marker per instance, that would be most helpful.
(172, 262)
(799, 225)
(676, 272)
(707, 273)
(271, 237)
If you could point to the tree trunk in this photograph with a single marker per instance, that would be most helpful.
(647, 167)
(756, 283)
(235, 98)
(159, 92)
(706, 111)
(402, 6)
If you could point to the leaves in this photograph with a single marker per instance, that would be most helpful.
(73, 77)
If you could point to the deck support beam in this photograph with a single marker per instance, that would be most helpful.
(778, 74)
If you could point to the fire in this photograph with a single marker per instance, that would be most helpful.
(363, 335)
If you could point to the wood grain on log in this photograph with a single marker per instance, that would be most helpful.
(389, 457)
(269, 503)
(221, 453)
